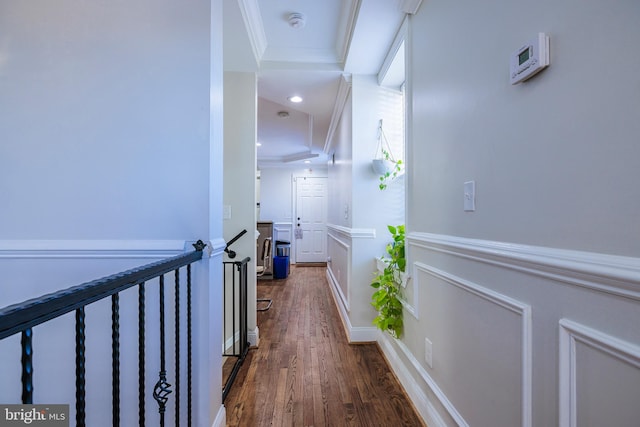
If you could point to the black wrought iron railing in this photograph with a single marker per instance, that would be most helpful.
(22, 318)
(235, 318)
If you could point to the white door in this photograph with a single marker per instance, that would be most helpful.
(311, 219)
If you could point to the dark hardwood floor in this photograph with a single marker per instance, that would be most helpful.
(305, 373)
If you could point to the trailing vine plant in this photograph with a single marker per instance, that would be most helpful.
(386, 298)
(392, 173)
(390, 168)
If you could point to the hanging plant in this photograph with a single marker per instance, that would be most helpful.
(388, 285)
(384, 164)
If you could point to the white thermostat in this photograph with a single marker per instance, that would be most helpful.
(530, 59)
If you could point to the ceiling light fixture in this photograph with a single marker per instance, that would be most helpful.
(296, 99)
(258, 144)
(296, 20)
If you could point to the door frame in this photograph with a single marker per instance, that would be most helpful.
(294, 213)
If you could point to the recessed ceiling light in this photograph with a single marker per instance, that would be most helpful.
(307, 161)
(258, 144)
(295, 99)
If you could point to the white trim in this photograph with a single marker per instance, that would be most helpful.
(250, 11)
(350, 9)
(400, 37)
(253, 336)
(420, 400)
(354, 334)
(13, 249)
(353, 233)
(344, 89)
(612, 274)
(221, 418)
(344, 300)
(570, 333)
(515, 306)
(216, 247)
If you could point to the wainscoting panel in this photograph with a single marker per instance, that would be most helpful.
(339, 265)
(482, 347)
(350, 268)
(599, 378)
(468, 322)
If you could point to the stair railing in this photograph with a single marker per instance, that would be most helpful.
(23, 318)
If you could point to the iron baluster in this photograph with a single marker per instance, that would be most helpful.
(177, 346)
(189, 354)
(26, 342)
(80, 367)
(115, 358)
(162, 389)
(141, 355)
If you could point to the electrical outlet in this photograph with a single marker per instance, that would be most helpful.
(428, 352)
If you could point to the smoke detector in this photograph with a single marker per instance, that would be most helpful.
(296, 20)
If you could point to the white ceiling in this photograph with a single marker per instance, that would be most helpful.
(339, 36)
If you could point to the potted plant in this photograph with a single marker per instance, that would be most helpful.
(388, 285)
(387, 168)
(384, 164)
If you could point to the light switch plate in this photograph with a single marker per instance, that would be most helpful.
(470, 196)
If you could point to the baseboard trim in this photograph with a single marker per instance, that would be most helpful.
(253, 336)
(357, 334)
(221, 418)
(420, 400)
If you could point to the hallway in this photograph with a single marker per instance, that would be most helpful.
(305, 373)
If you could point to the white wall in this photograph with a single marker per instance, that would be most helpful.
(339, 170)
(239, 175)
(97, 99)
(559, 185)
(359, 210)
(108, 117)
(277, 198)
(531, 301)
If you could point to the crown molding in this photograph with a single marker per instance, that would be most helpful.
(350, 9)
(341, 99)
(250, 11)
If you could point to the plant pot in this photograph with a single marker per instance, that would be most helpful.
(382, 166)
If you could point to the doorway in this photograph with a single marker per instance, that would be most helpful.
(310, 226)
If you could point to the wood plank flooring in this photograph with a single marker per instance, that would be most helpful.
(305, 373)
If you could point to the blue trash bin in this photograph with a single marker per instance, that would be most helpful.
(280, 267)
